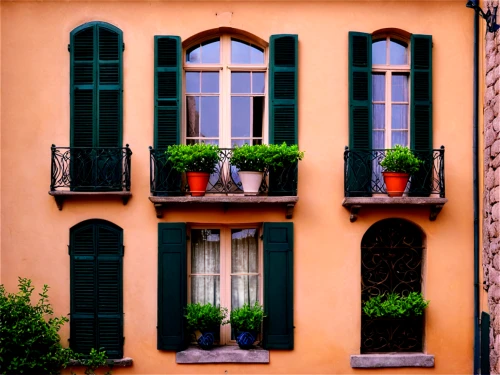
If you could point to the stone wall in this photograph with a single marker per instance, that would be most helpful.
(491, 197)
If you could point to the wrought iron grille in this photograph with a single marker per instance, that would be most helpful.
(90, 168)
(391, 262)
(225, 180)
(363, 173)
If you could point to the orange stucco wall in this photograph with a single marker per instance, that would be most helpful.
(35, 114)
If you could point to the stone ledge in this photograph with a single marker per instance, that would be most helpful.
(61, 195)
(122, 362)
(222, 354)
(392, 360)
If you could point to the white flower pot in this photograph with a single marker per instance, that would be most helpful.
(251, 182)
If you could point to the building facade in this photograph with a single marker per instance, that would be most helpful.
(88, 87)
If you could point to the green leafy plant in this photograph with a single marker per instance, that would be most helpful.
(283, 155)
(253, 158)
(29, 338)
(247, 318)
(401, 159)
(94, 361)
(395, 305)
(204, 317)
(198, 157)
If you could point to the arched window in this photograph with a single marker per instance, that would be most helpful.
(96, 273)
(391, 262)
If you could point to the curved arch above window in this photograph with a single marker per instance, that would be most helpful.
(96, 237)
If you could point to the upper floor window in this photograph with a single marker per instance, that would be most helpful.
(390, 93)
(225, 89)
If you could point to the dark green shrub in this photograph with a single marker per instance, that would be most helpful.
(247, 318)
(395, 305)
(29, 338)
(203, 317)
(280, 156)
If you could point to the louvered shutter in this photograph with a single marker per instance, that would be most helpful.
(96, 250)
(172, 285)
(168, 104)
(283, 106)
(359, 168)
(421, 112)
(278, 285)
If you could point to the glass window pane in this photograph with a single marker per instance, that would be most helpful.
(378, 139)
(192, 82)
(205, 251)
(245, 53)
(205, 289)
(209, 116)
(258, 83)
(398, 52)
(378, 116)
(379, 52)
(210, 82)
(193, 116)
(239, 143)
(210, 52)
(399, 86)
(193, 55)
(244, 289)
(399, 138)
(240, 116)
(258, 115)
(244, 251)
(240, 83)
(399, 116)
(378, 87)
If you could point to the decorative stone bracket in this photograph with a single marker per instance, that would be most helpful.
(61, 195)
(288, 202)
(354, 204)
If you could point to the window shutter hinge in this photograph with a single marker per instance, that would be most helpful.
(69, 250)
(262, 237)
(69, 47)
(123, 47)
(123, 250)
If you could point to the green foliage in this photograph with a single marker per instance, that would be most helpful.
(401, 159)
(198, 157)
(395, 305)
(95, 360)
(282, 155)
(30, 343)
(204, 317)
(247, 318)
(253, 158)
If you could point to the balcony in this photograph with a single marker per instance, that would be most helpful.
(90, 172)
(169, 187)
(364, 185)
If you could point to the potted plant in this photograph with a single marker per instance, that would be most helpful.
(204, 321)
(393, 322)
(282, 161)
(398, 164)
(198, 161)
(250, 162)
(246, 322)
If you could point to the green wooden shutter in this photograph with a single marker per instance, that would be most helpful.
(96, 249)
(283, 106)
(359, 167)
(172, 285)
(278, 285)
(421, 112)
(167, 116)
(485, 343)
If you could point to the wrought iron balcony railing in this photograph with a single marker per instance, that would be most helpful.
(164, 181)
(90, 169)
(363, 174)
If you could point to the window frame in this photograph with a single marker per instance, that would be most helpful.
(225, 268)
(225, 67)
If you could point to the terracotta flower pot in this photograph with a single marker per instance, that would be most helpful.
(197, 182)
(395, 183)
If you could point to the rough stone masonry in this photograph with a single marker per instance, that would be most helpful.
(491, 197)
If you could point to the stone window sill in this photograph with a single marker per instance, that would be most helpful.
(122, 362)
(222, 354)
(392, 360)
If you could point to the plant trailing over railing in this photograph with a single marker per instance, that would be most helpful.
(283, 155)
(401, 159)
(247, 318)
(204, 317)
(395, 305)
(198, 157)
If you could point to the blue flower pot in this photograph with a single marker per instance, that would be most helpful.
(206, 340)
(245, 340)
